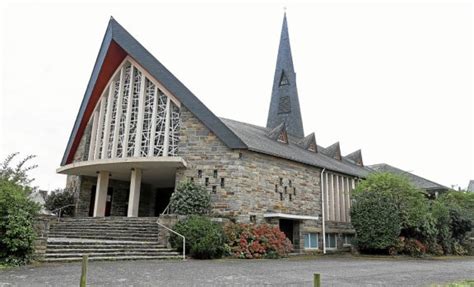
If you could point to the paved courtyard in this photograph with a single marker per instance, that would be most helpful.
(336, 271)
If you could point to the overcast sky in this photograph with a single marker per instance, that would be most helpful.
(391, 78)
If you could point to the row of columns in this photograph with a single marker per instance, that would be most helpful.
(337, 193)
(103, 186)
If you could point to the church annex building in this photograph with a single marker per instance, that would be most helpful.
(140, 132)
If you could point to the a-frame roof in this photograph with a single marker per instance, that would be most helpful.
(116, 45)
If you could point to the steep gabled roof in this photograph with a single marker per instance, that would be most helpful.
(333, 151)
(257, 140)
(416, 180)
(355, 157)
(279, 133)
(284, 105)
(309, 143)
(116, 45)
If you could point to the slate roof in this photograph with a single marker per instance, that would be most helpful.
(116, 33)
(284, 105)
(256, 139)
(470, 187)
(418, 181)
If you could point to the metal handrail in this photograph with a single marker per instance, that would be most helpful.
(184, 238)
(167, 209)
(60, 209)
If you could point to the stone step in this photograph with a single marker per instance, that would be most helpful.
(112, 258)
(87, 242)
(102, 227)
(106, 237)
(109, 254)
(107, 250)
(72, 233)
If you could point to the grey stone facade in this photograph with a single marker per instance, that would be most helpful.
(244, 185)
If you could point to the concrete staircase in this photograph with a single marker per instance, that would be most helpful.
(109, 238)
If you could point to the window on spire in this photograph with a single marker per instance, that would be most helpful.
(283, 137)
(284, 79)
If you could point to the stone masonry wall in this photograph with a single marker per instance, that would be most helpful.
(254, 183)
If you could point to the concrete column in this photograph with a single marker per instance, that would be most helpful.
(134, 199)
(101, 193)
(337, 206)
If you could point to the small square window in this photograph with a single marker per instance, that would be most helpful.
(253, 218)
(214, 189)
(240, 155)
(348, 239)
(206, 181)
(311, 241)
(199, 173)
(215, 173)
(331, 240)
(191, 179)
(222, 182)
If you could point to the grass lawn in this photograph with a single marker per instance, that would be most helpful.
(465, 283)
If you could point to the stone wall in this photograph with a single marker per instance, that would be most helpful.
(41, 226)
(254, 184)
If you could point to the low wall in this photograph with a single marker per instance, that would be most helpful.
(41, 225)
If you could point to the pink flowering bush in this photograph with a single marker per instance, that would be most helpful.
(256, 241)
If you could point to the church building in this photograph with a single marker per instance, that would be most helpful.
(140, 132)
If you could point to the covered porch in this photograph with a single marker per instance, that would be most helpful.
(129, 187)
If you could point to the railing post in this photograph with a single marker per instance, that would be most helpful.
(84, 271)
(317, 280)
(184, 248)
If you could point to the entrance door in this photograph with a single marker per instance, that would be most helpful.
(108, 201)
(286, 226)
(163, 196)
(92, 202)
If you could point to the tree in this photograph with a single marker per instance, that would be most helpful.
(189, 199)
(17, 212)
(387, 206)
(60, 198)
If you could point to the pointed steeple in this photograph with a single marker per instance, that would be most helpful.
(284, 105)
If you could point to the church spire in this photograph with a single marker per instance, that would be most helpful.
(284, 105)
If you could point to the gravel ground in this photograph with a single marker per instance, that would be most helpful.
(334, 270)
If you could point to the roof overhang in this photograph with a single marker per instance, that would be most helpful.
(122, 165)
(290, 216)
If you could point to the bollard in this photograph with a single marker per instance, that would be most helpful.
(84, 271)
(317, 280)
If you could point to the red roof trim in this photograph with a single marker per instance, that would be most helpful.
(115, 55)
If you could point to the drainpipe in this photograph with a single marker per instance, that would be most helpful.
(323, 211)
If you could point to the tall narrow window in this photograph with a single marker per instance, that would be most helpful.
(215, 173)
(284, 79)
(222, 182)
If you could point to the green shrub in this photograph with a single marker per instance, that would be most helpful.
(189, 199)
(385, 203)
(204, 238)
(60, 198)
(256, 241)
(17, 213)
(376, 221)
